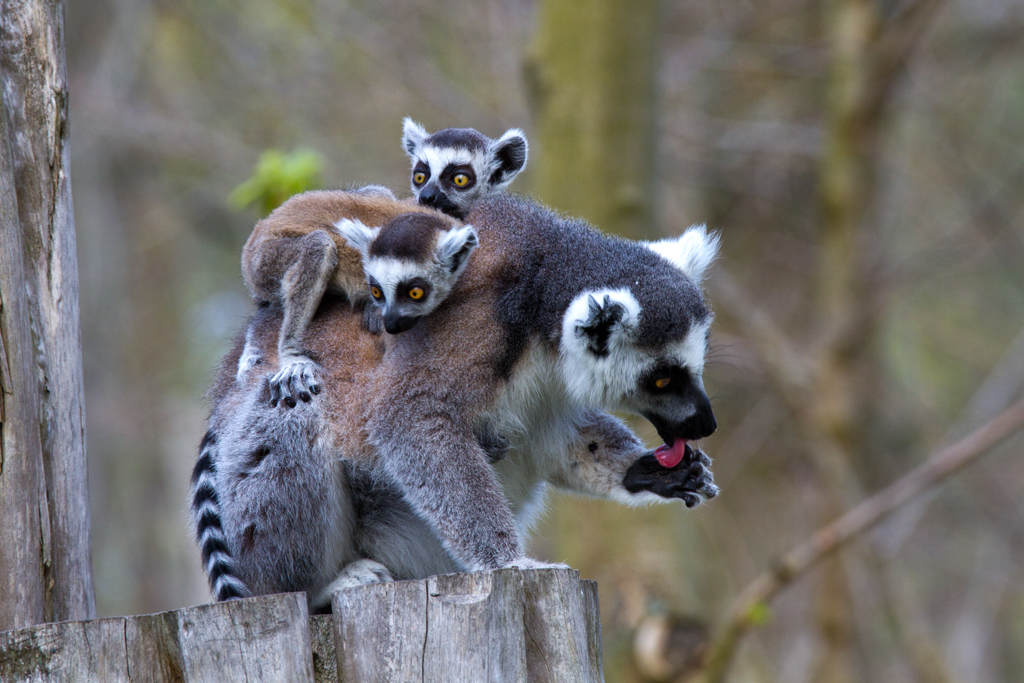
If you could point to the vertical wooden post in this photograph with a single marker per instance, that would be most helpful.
(21, 465)
(498, 626)
(36, 165)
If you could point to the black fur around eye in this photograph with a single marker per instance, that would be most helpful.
(461, 176)
(420, 174)
(666, 379)
(417, 290)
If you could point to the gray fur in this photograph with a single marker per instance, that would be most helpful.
(295, 516)
(490, 165)
(555, 324)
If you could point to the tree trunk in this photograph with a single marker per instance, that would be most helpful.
(43, 483)
(592, 83)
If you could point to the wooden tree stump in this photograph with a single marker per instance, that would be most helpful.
(506, 625)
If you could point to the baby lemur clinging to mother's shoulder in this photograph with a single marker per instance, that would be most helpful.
(299, 252)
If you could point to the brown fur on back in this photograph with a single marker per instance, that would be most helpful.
(272, 246)
(357, 384)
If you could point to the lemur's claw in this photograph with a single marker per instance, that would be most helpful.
(691, 480)
(295, 381)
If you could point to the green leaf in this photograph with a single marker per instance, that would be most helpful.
(759, 614)
(277, 177)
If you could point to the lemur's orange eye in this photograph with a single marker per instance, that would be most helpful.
(377, 294)
(416, 293)
(662, 382)
(419, 177)
(461, 180)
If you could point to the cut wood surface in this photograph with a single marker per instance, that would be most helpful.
(538, 625)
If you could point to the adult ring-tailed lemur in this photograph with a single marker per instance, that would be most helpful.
(529, 346)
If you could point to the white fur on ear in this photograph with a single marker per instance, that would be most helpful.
(599, 362)
(508, 154)
(413, 135)
(357, 235)
(693, 252)
(454, 247)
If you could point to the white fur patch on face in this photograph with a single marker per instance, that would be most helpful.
(601, 381)
(693, 252)
(691, 351)
(439, 158)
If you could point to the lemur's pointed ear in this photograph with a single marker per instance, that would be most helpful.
(454, 247)
(507, 156)
(602, 321)
(693, 252)
(356, 234)
(413, 135)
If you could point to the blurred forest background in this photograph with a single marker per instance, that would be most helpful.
(863, 160)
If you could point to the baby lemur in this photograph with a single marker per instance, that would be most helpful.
(295, 262)
(454, 168)
(410, 263)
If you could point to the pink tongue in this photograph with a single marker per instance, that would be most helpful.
(670, 457)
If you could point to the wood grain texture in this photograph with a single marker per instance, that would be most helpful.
(21, 462)
(475, 628)
(379, 631)
(325, 661)
(559, 631)
(506, 625)
(258, 639)
(495, 627)
(35, 104)
(69, 651)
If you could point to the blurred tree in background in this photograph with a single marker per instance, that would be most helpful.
(862, 160)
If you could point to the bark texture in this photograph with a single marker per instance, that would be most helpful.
(50, 466)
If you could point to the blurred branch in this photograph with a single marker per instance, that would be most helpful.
(749, 606)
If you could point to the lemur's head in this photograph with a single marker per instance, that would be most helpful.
(455, 167)
(641, 346)
(411, 263)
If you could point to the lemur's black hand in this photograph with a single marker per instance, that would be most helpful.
(690, 480)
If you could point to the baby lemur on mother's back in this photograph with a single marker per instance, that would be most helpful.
(294, 261)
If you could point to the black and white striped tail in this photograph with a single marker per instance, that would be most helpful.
(217, 560)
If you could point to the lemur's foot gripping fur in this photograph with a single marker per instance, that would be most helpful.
(691, 480)
(296, 381)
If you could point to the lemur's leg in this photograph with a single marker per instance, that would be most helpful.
(445, 476)
(285, 509)
(605, 459)
(302, 288)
